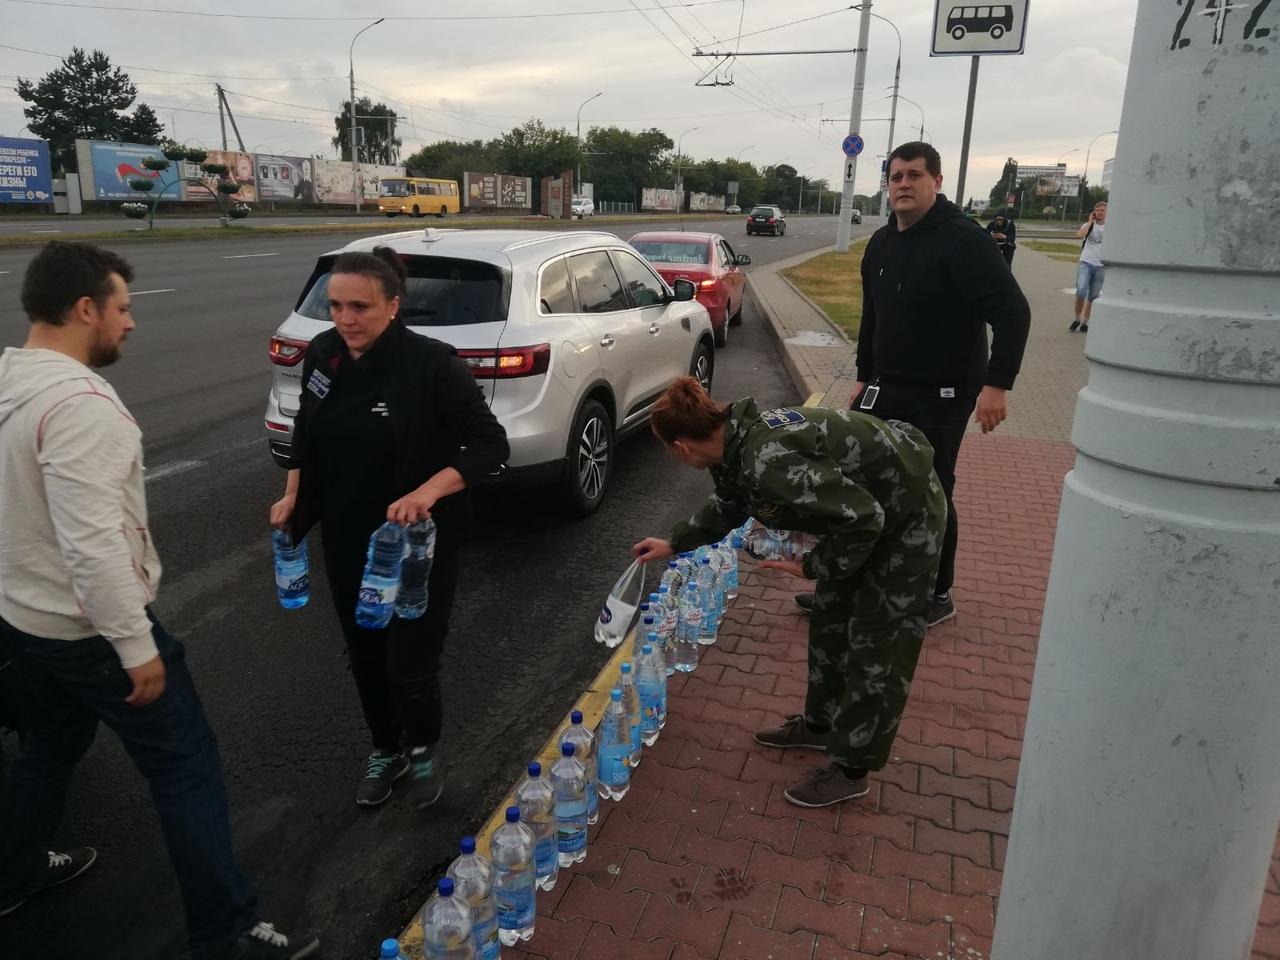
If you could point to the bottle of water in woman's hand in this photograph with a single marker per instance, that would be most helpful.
(381, 583)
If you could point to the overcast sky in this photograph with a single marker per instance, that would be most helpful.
(473, 78)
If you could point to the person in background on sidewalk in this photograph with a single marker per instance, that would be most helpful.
(866, 488)
(77, 570)
(392, 426)
(932, 282)
(1005, 233)
(1089, 271)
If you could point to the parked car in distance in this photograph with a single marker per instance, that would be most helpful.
(584, 207)
(856, 216)
(733, 208)
(708, 261)
(571, 336)
(766, 219)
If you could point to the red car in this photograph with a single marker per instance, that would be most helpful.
(707, 260)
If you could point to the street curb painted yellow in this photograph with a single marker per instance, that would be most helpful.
(592, 703)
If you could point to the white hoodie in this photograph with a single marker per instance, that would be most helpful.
(76, 559)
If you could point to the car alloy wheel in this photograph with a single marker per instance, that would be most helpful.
(702, 367)
(593, 458)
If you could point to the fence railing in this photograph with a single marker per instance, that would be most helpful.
(614, 206)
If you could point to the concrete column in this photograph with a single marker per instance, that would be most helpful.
(1149, 790)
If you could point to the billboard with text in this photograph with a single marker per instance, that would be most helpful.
(284, 178)
(241, 167)
(24, 171)
(495, 191)
(656, 198)
(115, 164)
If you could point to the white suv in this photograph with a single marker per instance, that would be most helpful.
(571, 335)
(584, 207)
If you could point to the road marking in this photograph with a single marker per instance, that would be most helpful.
(46, 231)
(1067, 290)
(5, 271)
(249, 256)
(171, 469)
(143, 293)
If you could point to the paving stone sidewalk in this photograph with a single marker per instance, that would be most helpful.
(705, 859)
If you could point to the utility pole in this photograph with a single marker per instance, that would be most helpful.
(893, 119)
(578, 138)
(968, 130)
(1149, 794)
(222, 117)
(356, 191)
(225, 104)
(843, 227)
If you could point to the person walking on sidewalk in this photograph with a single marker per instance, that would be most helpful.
(77, 571)
(1005, 233)
(866, 488)
(392, 426)
(1089, 269)
(932, 282)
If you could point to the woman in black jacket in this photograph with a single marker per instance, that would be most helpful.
(391, 426)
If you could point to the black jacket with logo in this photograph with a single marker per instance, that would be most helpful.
(437, 412)
(928, 294)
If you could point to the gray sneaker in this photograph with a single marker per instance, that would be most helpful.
(827, 786)
(62, 867)
(804, 601)
(263, 941)
(940, 610)
(382, 769)
(425, 780)
(793, 732)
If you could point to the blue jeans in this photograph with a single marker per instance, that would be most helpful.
(65, 688)
(1088, 281)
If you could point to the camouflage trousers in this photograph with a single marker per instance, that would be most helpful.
(865, 634)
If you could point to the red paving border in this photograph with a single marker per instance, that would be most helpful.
(705, 860)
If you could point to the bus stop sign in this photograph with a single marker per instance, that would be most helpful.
(964, 30)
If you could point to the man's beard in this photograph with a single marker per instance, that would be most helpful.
(103, 354)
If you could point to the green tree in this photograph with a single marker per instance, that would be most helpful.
(143, 127)
(998, 196)
(84, 97)
(379, 143)
(449, 159)
(621, 163)
(535, 150)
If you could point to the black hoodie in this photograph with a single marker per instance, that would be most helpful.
(928, 293)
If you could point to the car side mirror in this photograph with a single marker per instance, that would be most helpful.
(684, 290)
(742, 260)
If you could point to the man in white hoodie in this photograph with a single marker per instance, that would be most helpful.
(77, 570)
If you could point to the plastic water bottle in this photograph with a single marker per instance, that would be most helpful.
(473, 878)
(615, 749)
(515, 882)
(651, 682)
(631, 703)
(537, 801)
(293, 579)
(730, 573)
(619, 610)
(446, 926)
(647, 626)
(569, 778)
(584, 748)
(671, 578)
(668, 627)
(710, 590)
(415, 573)
(390, 950)
(690, 632)
(686, 567)
(764, 543)
(381, 580)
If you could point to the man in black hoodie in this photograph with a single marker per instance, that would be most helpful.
(932, 282)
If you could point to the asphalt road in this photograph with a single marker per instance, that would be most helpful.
(275, 683)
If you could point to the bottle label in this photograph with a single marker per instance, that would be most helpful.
(544, 855)
(488, 946)
(291, 581)
(515, 903)
(614, 770)
(572, 836)
(375, 596)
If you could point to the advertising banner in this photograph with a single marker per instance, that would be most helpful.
(494, 191)
(114, 164)
(24, 171)
(241, 168)
(655, 198)
(372, 175)
(284, 178)
(705, 202)
(333, 181)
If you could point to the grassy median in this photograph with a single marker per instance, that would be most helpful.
(1069, 251)
(832, 282)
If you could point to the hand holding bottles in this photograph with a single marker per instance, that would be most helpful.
(652, 550)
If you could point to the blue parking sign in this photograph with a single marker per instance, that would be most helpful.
(24, 171)
(852, 145)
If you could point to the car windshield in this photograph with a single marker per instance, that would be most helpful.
(672, 251)
(393, 188)
(439, 292)
(762, 211)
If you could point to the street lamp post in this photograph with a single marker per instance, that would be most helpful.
(742, 151)
(578, 182)
(918, 107)
(893, 114)
(850, 164)
(355, 166)
(1063, 212)
(1085, 177)
(680, 166)
(800, 199)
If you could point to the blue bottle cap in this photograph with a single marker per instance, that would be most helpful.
(445, 886)
(615, 694)
(649, 620)
(390, 949)
(576, 717)
(566, 749)
(651, 639)
(513, 813)
(653, 597)
(626, 668)
(737, 541)
(671, 564)
(663, 589)
(535, 769)
(647, 649)
(707, 561)
(644, 606)
(467, 845)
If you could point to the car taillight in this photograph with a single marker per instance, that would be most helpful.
(773, 219)
(286, 352)
(509, 362)
(277, 427)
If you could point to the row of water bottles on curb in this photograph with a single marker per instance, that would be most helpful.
(484, 903)
(396, 573)
(685, 612)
